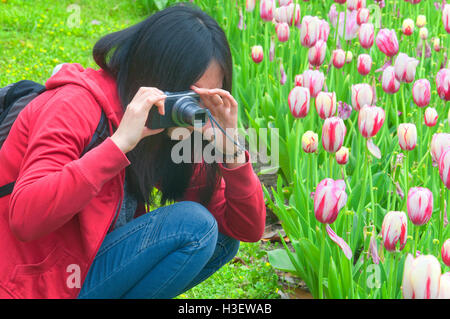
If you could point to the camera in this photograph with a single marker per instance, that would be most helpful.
(181, 109)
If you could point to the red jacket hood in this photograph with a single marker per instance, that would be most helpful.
(101, 85)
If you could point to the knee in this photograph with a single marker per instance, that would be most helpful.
(230, 248)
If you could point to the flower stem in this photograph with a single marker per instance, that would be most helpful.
(322, 257)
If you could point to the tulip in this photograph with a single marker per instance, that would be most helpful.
(323, 30)
(316, 54)
(405, 68)
(257, 53)
(298, 100)
(348, 57)
(356, 4)
(309, 31)
(364, 64)
(444, 286)
(266, 9)
(342, 155)
(421, 21)
(250, 5)
(284, 3)
(340, 1)
(326, 104)
(282, 30)
(283, 76)
(310, 142)
(389, 82)
(362, 16)
(444, 167)
(329, 198)
(443, 84)
(421, 277)
(436, 44)
(420, 205)
(289, 14)
(351, 26)
(338, 58)
(394, 230)
(439, 143)
(408, 27)
(430, 116)
(407, 136)
(387, 42)
(370, 120)
(423, 33)
(344, 110)
(362, 94)
(421, 92)
(446, 17)
(366, 35)
(298, 80)
(272, 49)
(313, 80)
(445, 252)
(333, 134)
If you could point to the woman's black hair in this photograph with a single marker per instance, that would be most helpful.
(169, 50)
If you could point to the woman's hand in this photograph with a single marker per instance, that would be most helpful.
(132, 126)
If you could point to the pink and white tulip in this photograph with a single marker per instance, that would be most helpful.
(370, 120)
(250, 5)
(444, 167)
(421, 92)
(310, 142)
(299, 99)
(326, 104)
(444, 286)
(421, 277)
(282, 30)
(420, 205)
(338, 58)
(389, 82)
(366, 35)
(364, 64)
(430, 116)
(257, 53)
(443, 84)
(342, 155)
(405, 68)
(313, 80)
(289, 14)
(446, 17)
(394, 230)
(267, 9)
(387, 42)
(407, 136)
(362, 16)
(439, 143)
(356, 4)
(362, 94)
(316, 54)
(298, 80)
(445, 252)
(309, 31)
(329, 198)
(408, 27)
(333, 134)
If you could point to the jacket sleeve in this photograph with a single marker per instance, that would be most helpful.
(54, 184)
(238, 203)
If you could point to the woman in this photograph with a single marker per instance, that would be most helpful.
(76, 225)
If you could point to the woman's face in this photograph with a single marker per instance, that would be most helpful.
(211, 79)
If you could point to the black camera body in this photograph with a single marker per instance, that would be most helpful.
(181, 109)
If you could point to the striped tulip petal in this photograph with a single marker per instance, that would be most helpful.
(340, 242)
(373, 149)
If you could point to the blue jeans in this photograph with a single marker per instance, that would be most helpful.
(159, 254)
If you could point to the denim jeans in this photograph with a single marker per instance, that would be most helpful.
(160, 254)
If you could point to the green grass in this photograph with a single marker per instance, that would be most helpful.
(37, 35)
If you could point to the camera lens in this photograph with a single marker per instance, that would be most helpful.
(187, 112)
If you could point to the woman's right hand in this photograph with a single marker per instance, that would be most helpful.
(132, 127)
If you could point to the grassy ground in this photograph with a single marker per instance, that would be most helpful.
(37, 35)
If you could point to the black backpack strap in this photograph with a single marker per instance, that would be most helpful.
(7, 189)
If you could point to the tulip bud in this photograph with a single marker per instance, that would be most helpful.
(420, 205)
(445, 252)
(421, 21)
(282, 30)
(362, 16)
(309, 31)
(250, 5)
(355, 4)
(439, 143)
(316, 54)
(446, 17)
(266, 9)
(443, 84)
(389, 82)
(362, 94)
(298, 100)
(370, 120)
(423, 33)
(326, 104)
(405, 68)
(444, 286)
(421, 277)
(342, 155)
(408, 27)
(387, 42)
(310, 142)
(394, 230)
(348, 57)
(364, 64)
(436, 44)
(407, 136)
(338, 58)
(299, 80)
(257, 53)
(333, 134)
(366, 35)
(329, 199)
(421, 92)
(430, 116)
(444, 167)
(313, 80)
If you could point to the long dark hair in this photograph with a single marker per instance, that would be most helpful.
(169, 50)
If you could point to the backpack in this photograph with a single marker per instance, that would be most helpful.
(14, 98)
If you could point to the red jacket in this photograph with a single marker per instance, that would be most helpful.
(54, 222)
